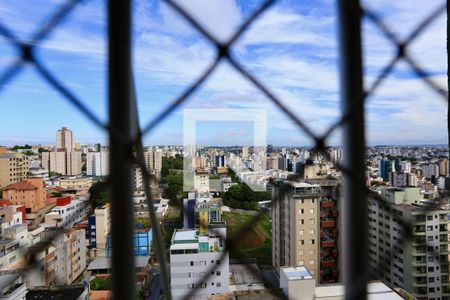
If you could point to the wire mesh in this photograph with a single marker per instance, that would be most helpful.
(27, 57)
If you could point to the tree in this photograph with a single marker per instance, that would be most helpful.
(99, 194)
(241, 196)
(169, 164)
(52, 173)
(174, 188)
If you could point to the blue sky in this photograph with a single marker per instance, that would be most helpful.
(292, 48)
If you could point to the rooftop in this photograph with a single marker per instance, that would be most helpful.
(104, 262)
(295, 273)
(297, 184)
(376, 290)
(21, 185)
(183, 235)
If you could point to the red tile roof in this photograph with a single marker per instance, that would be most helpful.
(21, 185)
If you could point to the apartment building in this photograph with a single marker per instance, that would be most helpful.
(192, 256)
(71, 250)
(67, 212)
(75, 182)
(62, 162)
(419, 264)
(137, 180)
(97, 163)
(64, 139)
(102, 228)
(29, 192)
(13, 168)
(11, 215)
(153, 160)
(305, 227)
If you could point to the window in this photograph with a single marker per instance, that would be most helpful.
(311, 231)
(312, 201)
(301, 262)
(218, 284)
(301, 232)
(312, 262)
(301, 252)
(431, 279)
(302, 242)
(217, 273)
(429, 218)
(301, 211)
(311, 211)
(218, 262)
(302, 221)
(192, 263)
(312, 242)
(429, 228)
(430, 258)
(312, 221)
(312, 252)
(430, 269)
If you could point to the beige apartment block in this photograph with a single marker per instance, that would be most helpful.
(305, 227)
(29, 192)
(76, 183)
(13, 168)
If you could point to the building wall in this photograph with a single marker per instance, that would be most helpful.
(304, 228)
(102, 228)
(57, 162)
(187, 269)
(13, 168)
(73, 163)
(97, 163)
(411, 266)
(76, 183)
(33, 199)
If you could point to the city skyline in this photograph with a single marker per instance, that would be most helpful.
(300, 68)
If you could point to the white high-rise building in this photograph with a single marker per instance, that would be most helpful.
(405, 166)
(97, 163)
(417, 263)
(64, 139)
(191, 255)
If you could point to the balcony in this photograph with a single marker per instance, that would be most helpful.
(327, 204)
(328, 264)
(335, 253)
(328, 243)
(444, 240)
(335, 213)
(419, 241)
(328, 224)
(419, 263)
